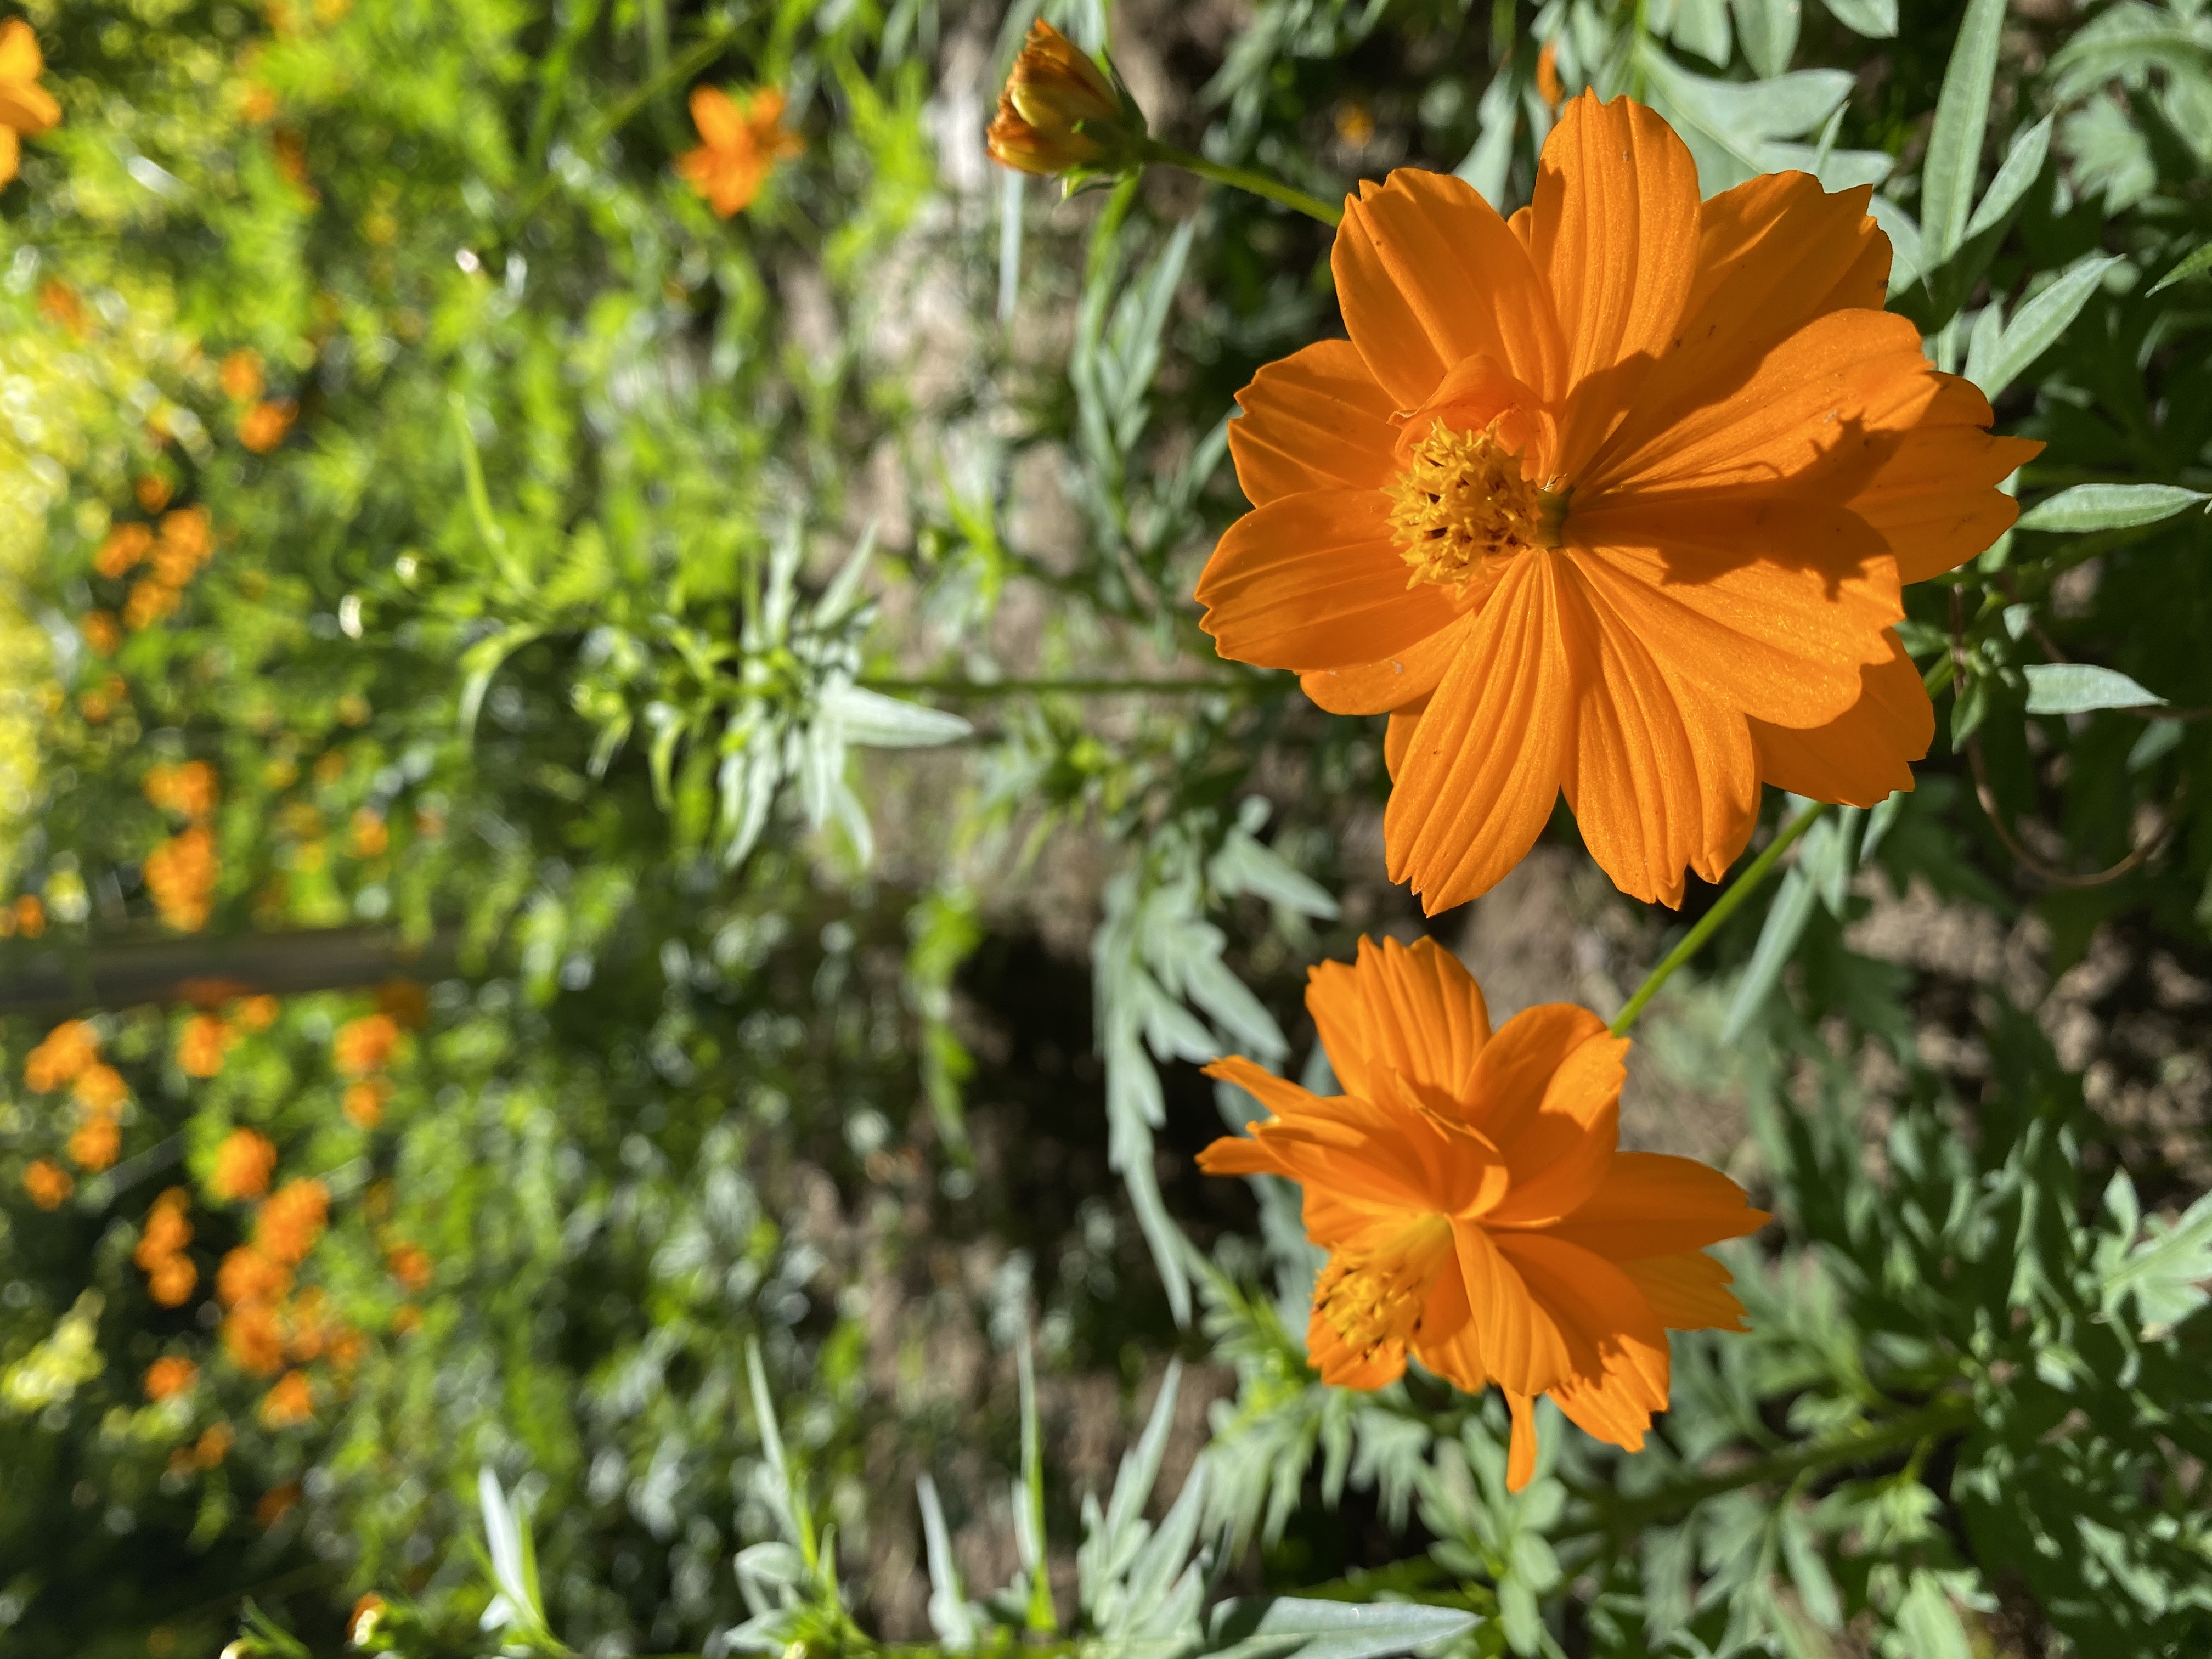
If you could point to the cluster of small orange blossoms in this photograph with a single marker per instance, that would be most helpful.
(182, 871)
(205, 1044)
(364, 1048)
(27, 916)
(266, 1324)
(243, 1163)
(262, 422)
(170, 1273)
(70, 1057)
(48, 1184)
(173, 554)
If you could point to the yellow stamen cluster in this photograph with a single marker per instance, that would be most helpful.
(1377, 1299)
(1462, 499)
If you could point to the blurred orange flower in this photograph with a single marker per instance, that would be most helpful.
(290, 1404)
(243, 1163)
(123, 547)
(25, 107)
(166, 1230)
(1059, 110)
(263, 427)
(48, 1184)
(58, 303)
(1574, 505)
(740, 143)
(170, 1374)
(365, 1045)
(250, 1277)
(1549, 87)
(241, 377)
(204, 1044)
(292, 1219)
(410, 1265)
(368, 837)
(1478, 1213)
(181, 874)
(153, 491)
(62, 1056)
(94, 1144)
(364, 1102)
(102, 633)
(258, 1013)
(170, 1281)
(189, 790)
(214, 1445)
(150, 599)
(30, 916)
(99, 1089)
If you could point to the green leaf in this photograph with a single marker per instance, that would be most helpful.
(1291, 1625)
(1875, 19)
(2076, 688)
(875, 721)
(1954, 147)
(2168, 1272)
(1929, 1623)
(2194, 265)
(1767, 30)
(481, 662)
(1786, 916)
(2041, 320)
(2023, 164)
(2108, 507)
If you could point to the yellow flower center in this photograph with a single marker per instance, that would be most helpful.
(1376, 1300)
(1462, 500)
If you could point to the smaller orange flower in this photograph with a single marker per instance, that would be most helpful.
(407, 1321)
(360, 1624)
(242, 1165)
(58, 304)
(95, 1144)
(100, 1090)
(292, 1220)
(258, 1013)
(740, 143)
(251, 1277)
(25, 107)
(166, 1230)
(410, 1265)
(170, 1281)
(252, 1340)
(1549, 87)
(214, 1445)
(30, 916)
(61, 1057)
(256, 104)
(364, 1102)
(204, 1044)
(241, 377)
(290, 1404)
(263, 427)
(190, 790)
(48, 1184)
(345, 1348)
(153, 491)
(181, 874)
(1478, 1215)
(125, 546)
(365, 1045)
(1060, 110)
(367, 836)
(275, 1504)
(169, 1375)
(102, 633)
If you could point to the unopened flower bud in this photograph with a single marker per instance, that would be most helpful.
(1061, 113)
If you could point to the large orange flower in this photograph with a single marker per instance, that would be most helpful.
(1476, 1211)
(25, 107)
(1611, 500)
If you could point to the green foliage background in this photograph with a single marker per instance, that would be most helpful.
(766, 648)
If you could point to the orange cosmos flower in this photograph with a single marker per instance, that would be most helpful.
(740, 142)
(48, 1183)
(288, 1224)
(202, 1045)
(288, 1405)
(1060, 111)
(170, 1374)
(62, 1056)
(94, 1143)
(365, 1045)
(1476, 1212)
(249, 1276)
(1613, 500)
(25, 107)
(263, 427)
(125, 546)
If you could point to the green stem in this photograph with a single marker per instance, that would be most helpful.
(1092, 688)
(1709, 924)
(1859, 1445)
(1244, 178)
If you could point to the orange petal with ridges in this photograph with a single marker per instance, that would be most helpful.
(1314, 420)
(1427, 274)
(1615, 239)
(1521, 1449)
(1687, 1291)
(1865, 753)
(1514, 1072)
(1396, 683)
(1414, 1009)
(1312, 581)
(1479, 780)
(1664, 777)
(1519, 1340)
(1619, 1364)
(1655, 1204)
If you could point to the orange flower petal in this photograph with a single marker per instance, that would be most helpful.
(1396, 683)
(1932, 498)
(1689, 1291)
(1315, 420)
(1398, 737)
(1618, 1369)
(721, 125)
(1514, 1072)
(1415, 1010)
(1664, 777)
(1427, 274)
(1520, 1341)
(1654, 1204)
(1561, 1154)
(1864, 754)
(1521, 1449)
(1312, 581)
(1479, 779)
(20, 57)
(1769, 636)
(1343, 1366)
(1615, 238)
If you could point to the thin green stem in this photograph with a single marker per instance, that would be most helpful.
(1709, 924)
(981, 690)
(1244, 178)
